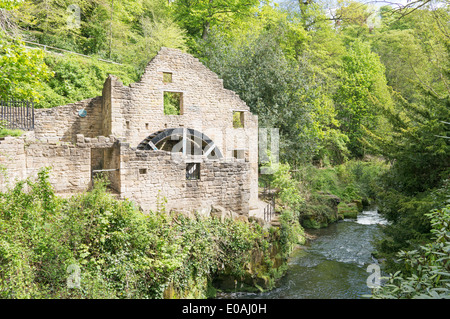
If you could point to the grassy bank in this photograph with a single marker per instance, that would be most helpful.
(4, 131)
(94, 246)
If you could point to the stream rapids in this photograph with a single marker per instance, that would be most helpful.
(334, 265)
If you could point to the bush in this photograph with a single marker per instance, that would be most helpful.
(409, 228)
(77, 78)
(427, 273)
(119, 252)
(288, 187)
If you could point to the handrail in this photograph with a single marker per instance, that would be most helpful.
(63, 50)
(269, 210)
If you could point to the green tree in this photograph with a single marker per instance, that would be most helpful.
(275, 87)
(22, 70)
(419, 151)
(351, 13)
(323, 56)
(362, 93)
(413, 50)
(417, 145)
(10, 4)
(105, 27)
(125, 31)
(199, 17)
(157, 33)
(287, 75)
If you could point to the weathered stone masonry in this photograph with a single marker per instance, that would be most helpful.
(106, 134)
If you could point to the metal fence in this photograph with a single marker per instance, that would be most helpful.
(17, 115)
(269, 194)
(269, 210)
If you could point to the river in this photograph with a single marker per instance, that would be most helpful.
(333, 265)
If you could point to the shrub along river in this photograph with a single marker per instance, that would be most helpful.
(334, 265)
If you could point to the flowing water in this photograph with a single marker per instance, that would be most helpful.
(332, 266)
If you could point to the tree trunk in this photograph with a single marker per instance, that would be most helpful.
(205, 30)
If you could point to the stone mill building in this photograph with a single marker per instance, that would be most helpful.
(177, 134)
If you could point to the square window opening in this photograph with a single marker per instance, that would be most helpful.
(239, 154)
(167, 77)
(173, 103)
(192, 171)
(238, 119)
(142, 171)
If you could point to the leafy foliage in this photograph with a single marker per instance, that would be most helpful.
(362, 92)
(200, 16)
(427, 268)
(121, 252)
(338, 87)
(4, 131)
(284, 102)
(172, 103)
(22, 70)
(77, 78)
(281, 179)
(10, 4)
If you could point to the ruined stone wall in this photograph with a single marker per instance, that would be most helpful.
(64, 122)
(24, 157)
(104, 155)
(131, 114)
(138, 110)
(12, 162)
(70, 165)
(147, 177)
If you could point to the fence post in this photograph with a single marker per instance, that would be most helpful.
(32, 121)
(8, 113)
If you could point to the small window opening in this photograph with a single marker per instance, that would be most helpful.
(127, 123)
(142, 171)
(238, 119)
(239, 154)
(173, 103)
(167, 77)
(146, 126)
(193, 171)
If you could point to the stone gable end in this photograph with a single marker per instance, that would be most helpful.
(103, 134)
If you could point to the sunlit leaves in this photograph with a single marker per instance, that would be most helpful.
(22, 70)
(10, 4)
(362, 93)
(199, 17)
(121, 252)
